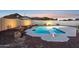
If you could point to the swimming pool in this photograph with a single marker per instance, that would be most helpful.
(47, 30)
(50, 33)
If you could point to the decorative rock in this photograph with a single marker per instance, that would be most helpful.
(17, 34)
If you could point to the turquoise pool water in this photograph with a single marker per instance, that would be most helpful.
(46, 30)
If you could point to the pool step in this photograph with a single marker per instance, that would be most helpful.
(57, 38)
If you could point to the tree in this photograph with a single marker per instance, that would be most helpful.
(45, 18)
(53, 19)
(70, 19)
(77, 19)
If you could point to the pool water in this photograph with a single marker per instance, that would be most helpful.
(46, 30)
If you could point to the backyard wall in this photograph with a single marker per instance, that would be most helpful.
(12, 23)
(25, 22)
(68, 23)
(8, 23)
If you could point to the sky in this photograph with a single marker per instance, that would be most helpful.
(42, 13)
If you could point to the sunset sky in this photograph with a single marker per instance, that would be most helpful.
(42, 13)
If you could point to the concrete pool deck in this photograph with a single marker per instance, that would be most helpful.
(70, 31)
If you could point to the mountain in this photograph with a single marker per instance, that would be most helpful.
(36, 18)
(43, 18)
(15, 15)
(26, 17)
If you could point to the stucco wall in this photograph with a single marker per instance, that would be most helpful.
(70, 23)
(25, 22)
(12, 23)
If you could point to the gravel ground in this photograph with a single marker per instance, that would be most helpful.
(7, 40)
